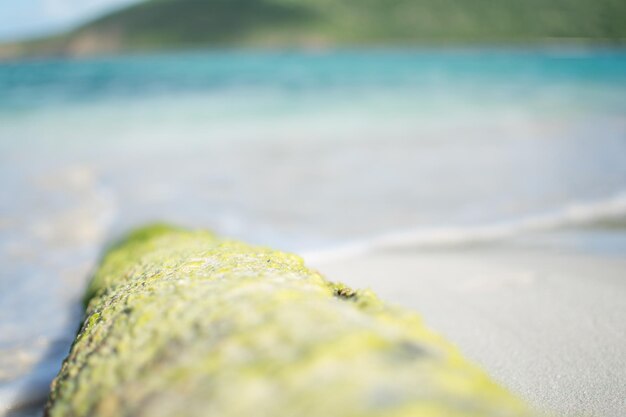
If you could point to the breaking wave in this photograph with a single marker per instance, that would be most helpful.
(570, 216)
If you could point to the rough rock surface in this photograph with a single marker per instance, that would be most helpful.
(182, 323)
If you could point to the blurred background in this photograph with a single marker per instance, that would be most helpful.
(432, 131)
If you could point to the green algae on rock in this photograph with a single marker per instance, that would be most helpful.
(183, 323)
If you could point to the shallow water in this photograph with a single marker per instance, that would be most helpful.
(326, 154)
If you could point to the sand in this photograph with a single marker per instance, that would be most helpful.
(548, 325)
(551, 326)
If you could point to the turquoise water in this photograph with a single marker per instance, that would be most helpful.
(327, 154)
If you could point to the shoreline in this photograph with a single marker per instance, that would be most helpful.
(557, 46)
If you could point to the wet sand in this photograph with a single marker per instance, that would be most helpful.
(548, 325)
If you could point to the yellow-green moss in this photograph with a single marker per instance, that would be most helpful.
(182, 323)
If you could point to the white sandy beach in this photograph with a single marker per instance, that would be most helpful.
(548, 325)
(358, 149)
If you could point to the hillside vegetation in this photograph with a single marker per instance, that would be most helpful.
(163, 24)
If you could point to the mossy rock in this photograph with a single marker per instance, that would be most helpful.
(183, 323)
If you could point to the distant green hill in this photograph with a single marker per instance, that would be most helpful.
(164, 24)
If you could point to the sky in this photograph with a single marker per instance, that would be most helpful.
(30, 18)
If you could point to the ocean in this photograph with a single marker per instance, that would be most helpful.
(324, 153)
